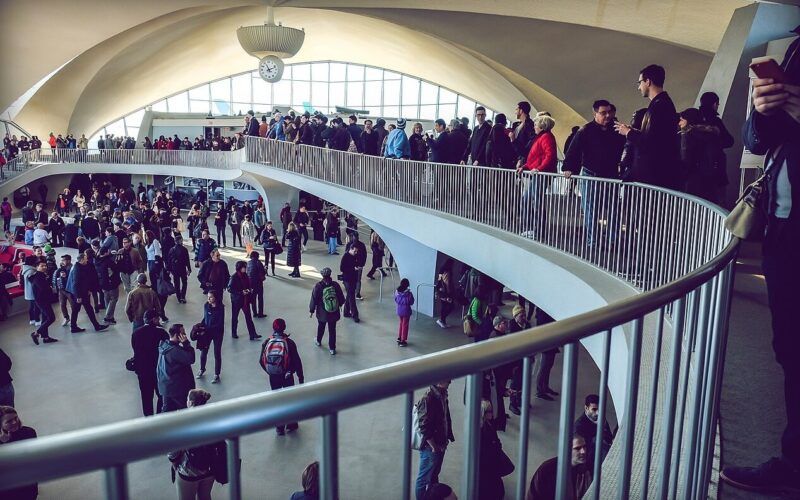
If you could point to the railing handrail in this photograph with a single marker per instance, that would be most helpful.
(113, 444)
(144, 437)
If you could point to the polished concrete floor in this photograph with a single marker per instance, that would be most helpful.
(81, 382)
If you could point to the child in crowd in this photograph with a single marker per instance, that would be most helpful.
(404, 300)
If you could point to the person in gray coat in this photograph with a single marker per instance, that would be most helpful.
(174, 369)
(326, 299)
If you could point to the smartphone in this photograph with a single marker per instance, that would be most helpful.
(768, 68)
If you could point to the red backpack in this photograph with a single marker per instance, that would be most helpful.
(275, 355)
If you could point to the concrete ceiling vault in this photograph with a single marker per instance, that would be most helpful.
(560, 54)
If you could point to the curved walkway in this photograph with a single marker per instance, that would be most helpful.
(700, 247)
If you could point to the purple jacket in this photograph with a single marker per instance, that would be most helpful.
(404, 301)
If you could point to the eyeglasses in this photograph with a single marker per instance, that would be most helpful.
(640, 82)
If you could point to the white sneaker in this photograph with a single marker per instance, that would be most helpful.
(440, 323)
(304, 248)
(31, 322)
(64, 322)
(37, 323)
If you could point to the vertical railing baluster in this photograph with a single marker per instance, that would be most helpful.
(472, 426)
(651, 411)
(631, 399)
(524, 427)
(233, 453)
(569, 379)
(329, 465)
(408, 408)
(601, 413)
(116, 479)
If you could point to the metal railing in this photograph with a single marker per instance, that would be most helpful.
(669, 244)
(619, 227)
(205, 159)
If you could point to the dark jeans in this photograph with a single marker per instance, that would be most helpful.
(350, 308)
(236, 229)
(216, 341)
(86, 304)
(258, 300)
(58, 239)
(6, 223)
(34, 313)
(304, 233)
(240, 305)
(430, 465)
(546, 361)
(331, 332)
(221, 236)
(180, 285)
(283, 237)
(279, 382)
(48, 318)
(149, 387)
(269, 261)
(173, 403)
(445, 308)
(781, 265)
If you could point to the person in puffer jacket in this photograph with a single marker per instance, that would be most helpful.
(404, 300)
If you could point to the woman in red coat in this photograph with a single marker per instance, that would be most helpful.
(542, 157)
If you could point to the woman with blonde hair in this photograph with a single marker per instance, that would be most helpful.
(542, 157)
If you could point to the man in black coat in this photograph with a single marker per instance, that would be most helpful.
(180, 265)
(523, 133)
(349, 270)
(475, 153)
(79, 283)
(586, 426)
(354, 130)
(43, 298)
(657, 142)
(368, 140)
(252, 124)
(145, 341)
(110, 280)
(361, 260)
(56, 227)
(90, 227)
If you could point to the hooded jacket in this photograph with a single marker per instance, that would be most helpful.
(397, 145)
(404, 301)
(174, 369)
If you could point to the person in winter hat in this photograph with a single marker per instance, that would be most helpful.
(397, 145)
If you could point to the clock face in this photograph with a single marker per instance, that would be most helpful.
(270, 68)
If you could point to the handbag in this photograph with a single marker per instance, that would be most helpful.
(470, 327)
(504, 464)
(748, 219)
(130, 364)
(277, 249)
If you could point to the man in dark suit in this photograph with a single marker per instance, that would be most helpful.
(252, 124)
(475, 153)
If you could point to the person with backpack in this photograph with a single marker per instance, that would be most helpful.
(214, 323)
(280, 359)
(404, 300)
(174, 369)
(180, 265)
(326, 299)
(241, 290)
(195, 469)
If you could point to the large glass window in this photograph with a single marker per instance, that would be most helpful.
(178, 103)
(323, 85)
(242, 86)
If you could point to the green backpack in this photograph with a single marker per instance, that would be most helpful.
(329, 300)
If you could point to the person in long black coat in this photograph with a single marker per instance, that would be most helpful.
(293, 255)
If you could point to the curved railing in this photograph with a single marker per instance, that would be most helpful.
(669, 244)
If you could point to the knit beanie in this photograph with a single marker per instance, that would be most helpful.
(401, 123)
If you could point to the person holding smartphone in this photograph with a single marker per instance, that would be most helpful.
(773, 128)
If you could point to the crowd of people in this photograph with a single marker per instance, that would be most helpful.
(134, 240)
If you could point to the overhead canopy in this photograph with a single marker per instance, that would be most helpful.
(114, 57)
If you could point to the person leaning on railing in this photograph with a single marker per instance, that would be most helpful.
(542, 157)
(773, 129)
